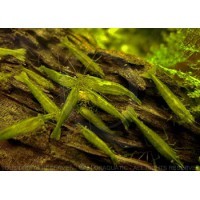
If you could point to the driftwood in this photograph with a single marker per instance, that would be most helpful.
(35, 151)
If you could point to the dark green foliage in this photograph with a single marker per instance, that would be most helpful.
(179, 58)
(132, 40)
(180, 46)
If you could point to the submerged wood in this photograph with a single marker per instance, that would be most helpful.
(36, 151)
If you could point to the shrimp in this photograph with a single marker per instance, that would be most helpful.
(94, 119)
(99, 101)
(48, 105)
(39, 79)
(95, 140)
(64, 80)
(159, 144)
(84, 93)
(70, 103)
(116, 159)
(25, 126)
(85, 60)
(17, 53)
(171, 99)
(94, 83)
(107, 87)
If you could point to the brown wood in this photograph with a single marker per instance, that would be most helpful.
(35, 151)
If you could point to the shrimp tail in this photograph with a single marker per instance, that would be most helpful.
(56, 133)
(21, 77)
(20, 54)
(151, 71)
(125, 122)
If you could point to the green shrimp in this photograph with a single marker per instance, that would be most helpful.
(39, 79)
(116, 159)
(17, 53)
(100, 102)
(100, 144)
(70, 103)
(85, 60)
(171, 99)
(159, 144)
(94, 119)
(25, 126)
(94, 83)
(64, 80)
(48, 105)
(107, 87)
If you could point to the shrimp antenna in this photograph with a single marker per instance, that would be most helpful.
(72, 67)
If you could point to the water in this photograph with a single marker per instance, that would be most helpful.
(19, 102)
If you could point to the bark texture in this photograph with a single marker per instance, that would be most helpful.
(35, 151)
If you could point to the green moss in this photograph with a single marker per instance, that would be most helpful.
(170, 52)
(196, 110)
(186, 79)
